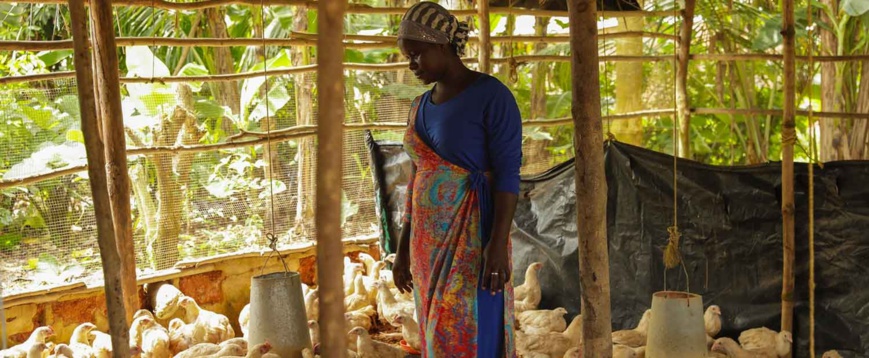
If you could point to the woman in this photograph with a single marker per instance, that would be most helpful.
(465, 139)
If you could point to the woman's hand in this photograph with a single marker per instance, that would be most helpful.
(496, 266)
(401, 272)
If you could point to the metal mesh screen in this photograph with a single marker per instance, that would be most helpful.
(189, 203)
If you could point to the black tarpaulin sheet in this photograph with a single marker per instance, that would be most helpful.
(730, 220)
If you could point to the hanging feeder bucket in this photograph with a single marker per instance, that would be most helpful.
(676, 329)
(277, 314)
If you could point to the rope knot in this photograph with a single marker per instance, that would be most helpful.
(672, 256)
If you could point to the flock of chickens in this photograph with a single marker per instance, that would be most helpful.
(372, 300)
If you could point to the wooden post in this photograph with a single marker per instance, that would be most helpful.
(330, 148)
(112, 118)
(485, 44)
(591, 188)
(788, 136)
(682, 104)
(111, 259)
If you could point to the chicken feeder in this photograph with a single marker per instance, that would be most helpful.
(676, 329)
(277, 314)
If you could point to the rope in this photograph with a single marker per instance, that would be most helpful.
(812, 157)
(606, 84)
(270, 236)
(672, 254)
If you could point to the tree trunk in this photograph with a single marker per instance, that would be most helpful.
(330, 137)
(860, 131)
(227, 93)
(682, 100)
(590, 181)
(110, 253)
(788, 139)
(164, 253)
(535, 150)
(145, 204)
(629, 84)
(306, 157)
(829, 102)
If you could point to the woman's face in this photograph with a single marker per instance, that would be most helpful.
(427, 61)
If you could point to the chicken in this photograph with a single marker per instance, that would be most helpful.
(62, 351)
(388, 306)
(143, 313)
(102, 344)
(409, 330)
(765, 339)
(555, 344)
(244, 319)
(634, 337)
(366, 348)
(623, 351)
(230, 350)
(36, 350)
(312, 304)
(531, 287)
(712, 319)
(359, 298)
(573, 353)
(79, 343)
(314, 331)
(368, 262)
(308, 353)
(38, 335)
(542, 321)
(831, 354)
(732, 349)
(180, 335)
(209, 327)
(153, 339)
(350, 271)
(360, 318)
(241, 342)
(199, 350)
(257, 351)
(526, 304)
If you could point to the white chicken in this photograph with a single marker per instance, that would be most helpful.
(244, 319)
(388, 306)
(351, 269)
(258, 351)
(38, 335)
(180, 335)
(634, 337)
(37, 350)
(573, 352)
(555, 344)
(527, 304)
(368, 262)
(153, 339)
(360, 317)
(712, 320)
(542, 321)
(312, 304)
(209, 327)
(831, 354)
(359, 298)
(409, 330)
(227, 351)
(314, 331)
(367, 348)
(730, 348)
(199, 350)
(530, 289)
(623, 351)
(764, 339)
(241, 342)
(79, 342)
(62, 351)
(102, 344)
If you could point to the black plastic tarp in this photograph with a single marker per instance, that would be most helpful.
(730, 220)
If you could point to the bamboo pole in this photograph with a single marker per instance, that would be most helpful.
(99, 183)
(484, 41)
(788, 139)
(682, 103)
(112, 118)
(330, 150)
(590, 181)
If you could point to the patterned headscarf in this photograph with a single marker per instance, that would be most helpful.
(429, 22)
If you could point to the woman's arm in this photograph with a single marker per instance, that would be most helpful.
(504, 131)
(401, 267)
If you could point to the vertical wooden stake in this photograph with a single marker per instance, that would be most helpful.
(683, 112)
(787, 170)
(112, 118)
(591, 187)
(485, 44)
(330, 150)
(111, 259)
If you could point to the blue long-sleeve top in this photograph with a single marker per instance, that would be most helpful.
(480, 129)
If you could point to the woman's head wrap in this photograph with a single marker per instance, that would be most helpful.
(429, 22)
